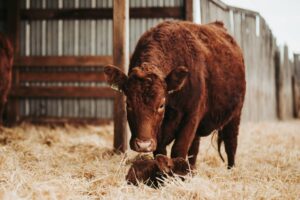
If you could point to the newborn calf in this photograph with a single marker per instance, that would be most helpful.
(153, 171)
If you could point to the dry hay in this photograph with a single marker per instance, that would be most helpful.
(68, 162)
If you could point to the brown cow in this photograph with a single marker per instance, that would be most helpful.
(185, 81)
(6, 62)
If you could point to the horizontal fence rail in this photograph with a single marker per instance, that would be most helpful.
(63, 92)
(62, 61)
(100, 13)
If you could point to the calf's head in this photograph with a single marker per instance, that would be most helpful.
(146, 90)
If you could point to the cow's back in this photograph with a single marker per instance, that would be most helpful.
(225, 80)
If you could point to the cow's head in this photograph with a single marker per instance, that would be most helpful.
(146, 89)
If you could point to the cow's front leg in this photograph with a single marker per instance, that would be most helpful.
(168, 131)
(185, 136)
(162, 145)
(193, 152)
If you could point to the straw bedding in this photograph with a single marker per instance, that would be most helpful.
(39, 162)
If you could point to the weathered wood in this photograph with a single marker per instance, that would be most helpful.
(63, 92)
(244, 11)
(296, 86)
(62, 76)
(284, 85)
(121, 59)
(278, 83)
(63, 61)
(220, 4)
(65, 120)
(204, 11)
(100, 13)
(287, 104)
(189, 10)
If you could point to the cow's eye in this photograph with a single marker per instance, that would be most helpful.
(161, 107)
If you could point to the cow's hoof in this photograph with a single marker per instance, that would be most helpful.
(230, 167)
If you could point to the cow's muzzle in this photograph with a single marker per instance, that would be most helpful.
(143, 145)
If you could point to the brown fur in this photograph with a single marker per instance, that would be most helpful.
(185, 81)
(6, 62)
(153, 171)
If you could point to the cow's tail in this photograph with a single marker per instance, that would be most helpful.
(219, 141)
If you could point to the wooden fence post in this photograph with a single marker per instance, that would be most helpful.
(120, 59)
(193, 11)
(278, 83)
(296, 86)
(189, 10)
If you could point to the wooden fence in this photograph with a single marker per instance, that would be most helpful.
(62, 48)
(62, 45)
(268, 67)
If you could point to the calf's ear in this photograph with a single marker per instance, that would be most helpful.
(176, 79)
(164, 163)
(115, 77)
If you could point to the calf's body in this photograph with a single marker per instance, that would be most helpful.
(185, 81)
(6, 62)
(152, 172)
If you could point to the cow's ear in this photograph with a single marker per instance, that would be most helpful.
(115, 77)
(176, 79)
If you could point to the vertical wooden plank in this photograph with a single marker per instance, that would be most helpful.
(296, 85)
(120, 59)
(13, 32)
(93, 52)
(13, 24)
(204, 10)
(278, 83)
(109, 50)
(189, 10)
(287, 89)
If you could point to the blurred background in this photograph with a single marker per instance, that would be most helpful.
(61, 47)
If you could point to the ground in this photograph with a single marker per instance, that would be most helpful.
(38, 162)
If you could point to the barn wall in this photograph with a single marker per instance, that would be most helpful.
(259, 47)
(75, 38)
